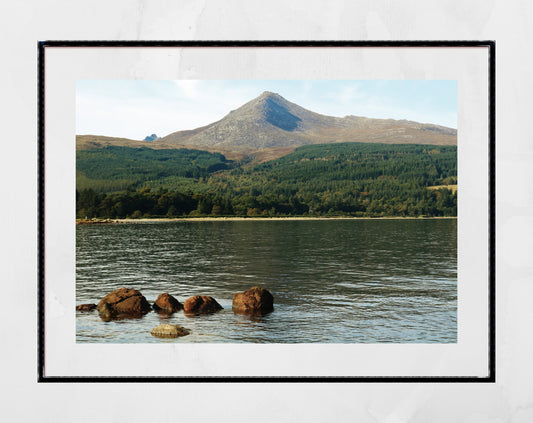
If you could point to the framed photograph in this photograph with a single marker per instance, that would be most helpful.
(266, 211)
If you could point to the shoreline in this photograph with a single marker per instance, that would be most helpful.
(238, 219)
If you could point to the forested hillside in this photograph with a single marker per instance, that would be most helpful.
(346, 179)
(114, 168)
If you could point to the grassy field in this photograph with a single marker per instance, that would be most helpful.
(453, 188)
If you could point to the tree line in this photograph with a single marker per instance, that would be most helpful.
(348, 179)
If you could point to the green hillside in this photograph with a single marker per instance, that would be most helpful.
(349, 179)
(113, 168)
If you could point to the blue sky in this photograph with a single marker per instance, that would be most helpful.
(137, 108)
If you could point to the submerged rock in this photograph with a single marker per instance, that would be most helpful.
(253, 301)
(123, 302)
(85, 307)
(169, 331)
(166, 303)
(200, 304)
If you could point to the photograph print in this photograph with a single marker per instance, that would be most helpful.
(266, 211)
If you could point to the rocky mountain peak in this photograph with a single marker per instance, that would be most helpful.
(269, 94)
(271, 121)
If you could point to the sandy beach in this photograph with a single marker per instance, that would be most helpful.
(233, 219)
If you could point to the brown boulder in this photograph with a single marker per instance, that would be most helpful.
(253, 301)
(166, 303)
(200, 304)
(169, 331)
(123, 302)
(85, 307)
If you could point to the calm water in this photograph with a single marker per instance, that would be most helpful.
(337, 281)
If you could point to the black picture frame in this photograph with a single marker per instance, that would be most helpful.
(43, 378)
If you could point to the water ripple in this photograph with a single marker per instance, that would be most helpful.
(333, 281)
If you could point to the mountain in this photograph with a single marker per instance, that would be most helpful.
(85, 142)
(152, 137)
(270, 126)
(271, 121)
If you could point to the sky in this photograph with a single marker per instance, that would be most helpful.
(137, 108)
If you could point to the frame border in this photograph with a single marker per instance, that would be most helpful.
(42, 378)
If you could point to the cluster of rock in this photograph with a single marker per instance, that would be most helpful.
(127, 302)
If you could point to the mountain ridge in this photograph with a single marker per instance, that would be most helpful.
(269, 125)
(270, 121)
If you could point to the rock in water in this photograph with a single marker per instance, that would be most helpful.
(85, 307)
(200, 304)
(166, 303)
(169, 331)
(253, 301)
(123, 302)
